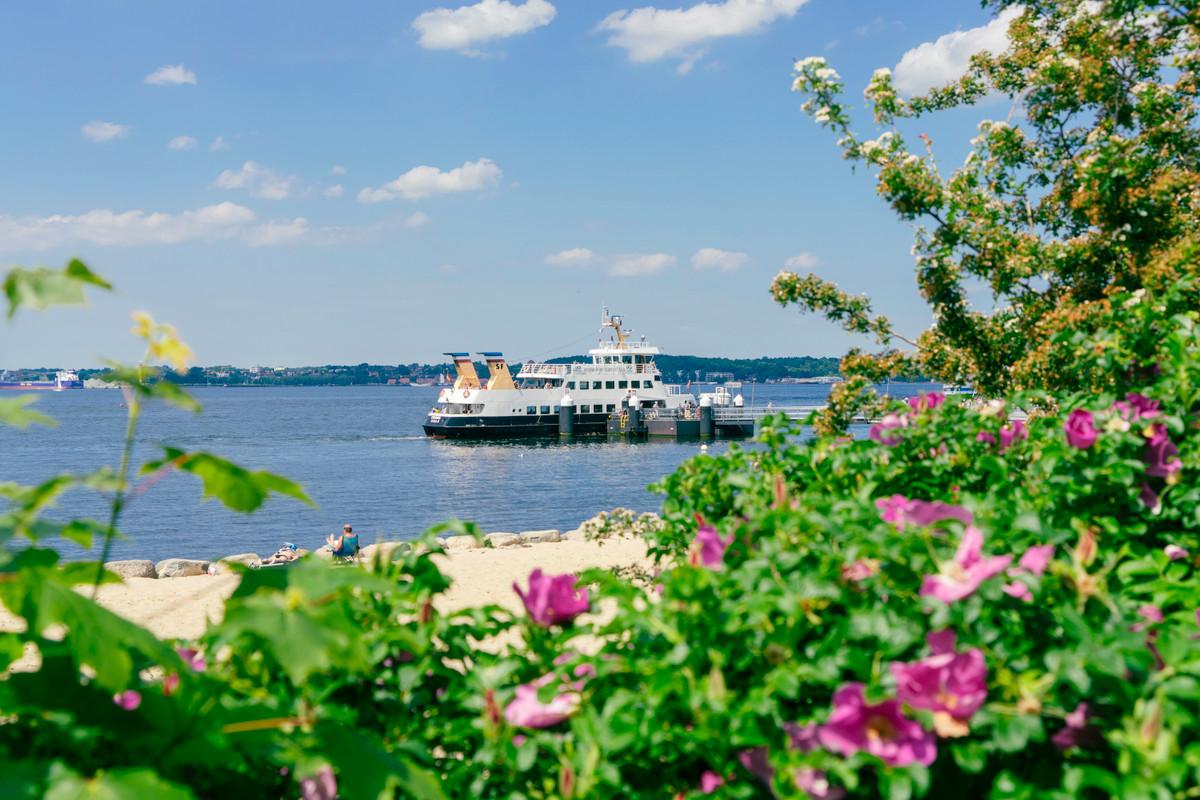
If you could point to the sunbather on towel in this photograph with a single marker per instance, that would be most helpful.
(283, 555)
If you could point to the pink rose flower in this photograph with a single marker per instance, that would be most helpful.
(553, 600)
(815, 784)
(709, 548)
(879, 431)
(755, 762)
(926, 402)
(902, 511)
(322, 786)
(1078, 732)
(1175, 552)
(709, 781)
(1161, 457)
(1081, 429)
(1150, 498)
(950, 682)
(1033, 562)
(961, 577)
(1136, 406)
(1015, 431)
(128, 699)
(526, 711)
(880, 729)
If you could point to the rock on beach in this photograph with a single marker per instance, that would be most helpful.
(181, 568)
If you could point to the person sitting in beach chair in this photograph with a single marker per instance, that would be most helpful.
(344, 546)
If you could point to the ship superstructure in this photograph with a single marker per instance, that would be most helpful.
(531, 403)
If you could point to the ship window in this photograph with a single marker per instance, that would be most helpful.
(648, 383)
(608, 384)
(584, 409)
(611, 408)
(545, 409)
(627, 359)
(530, 409)
(583, 384)
(570, 384)
(556, 409)
(622, 384)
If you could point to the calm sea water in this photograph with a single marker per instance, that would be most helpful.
(360, 454)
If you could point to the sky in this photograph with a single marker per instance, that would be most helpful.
(308, 183)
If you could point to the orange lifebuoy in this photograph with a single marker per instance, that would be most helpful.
(466, 393)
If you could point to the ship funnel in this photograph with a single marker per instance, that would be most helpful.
(500, 377)
(467, 377)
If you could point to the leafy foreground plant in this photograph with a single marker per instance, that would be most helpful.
(961, 605)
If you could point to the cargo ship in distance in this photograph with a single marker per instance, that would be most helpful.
(63, 379)
(529, 405)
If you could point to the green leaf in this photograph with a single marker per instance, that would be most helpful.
(14, 413)
(234, 486)
(132, 783)
(144, 381)
(367, 772)
(42, 287)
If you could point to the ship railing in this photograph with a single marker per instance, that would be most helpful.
(562, 370)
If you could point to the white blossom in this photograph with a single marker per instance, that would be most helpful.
(806, 62)
(827, 74)
(1071, 62)
(822, 114)
(881, 73)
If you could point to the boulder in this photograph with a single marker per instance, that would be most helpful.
(462, 542)
(134, 568)
(502, 539)
(574, 536)
(537, 537)
(223, 565)
(323, 552)
(181, 568)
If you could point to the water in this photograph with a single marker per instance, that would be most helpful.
(360, 454)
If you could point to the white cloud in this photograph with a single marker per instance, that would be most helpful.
(99, 131)
(337, 170)
(637, 264)
(448, 269)
(576, 257)
(106, 227)
(219, 144)
(712, 258)
(650, 34)
(803, 260)
(461, 28)
(334, 191)
(936, 63)
(258, 181)
(417, 220)
(222, 221)
(278, 231)
(182, 143)
(168, 75)
(421, 182)
(622, 264)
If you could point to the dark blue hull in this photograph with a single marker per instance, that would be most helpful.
(517, 426)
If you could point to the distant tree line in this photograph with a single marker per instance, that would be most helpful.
(679, 369)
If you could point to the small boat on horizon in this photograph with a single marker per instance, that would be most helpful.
(63, 379)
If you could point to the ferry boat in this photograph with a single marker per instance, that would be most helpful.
(63, 379)
(531, 404)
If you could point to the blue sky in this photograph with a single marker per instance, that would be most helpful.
(295, 183)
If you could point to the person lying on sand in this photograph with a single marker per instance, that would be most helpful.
(283, 555)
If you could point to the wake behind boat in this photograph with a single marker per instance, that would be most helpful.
(546, 399)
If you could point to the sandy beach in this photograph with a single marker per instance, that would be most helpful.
(180, 608)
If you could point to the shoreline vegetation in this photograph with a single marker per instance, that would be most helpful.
(675, 369)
